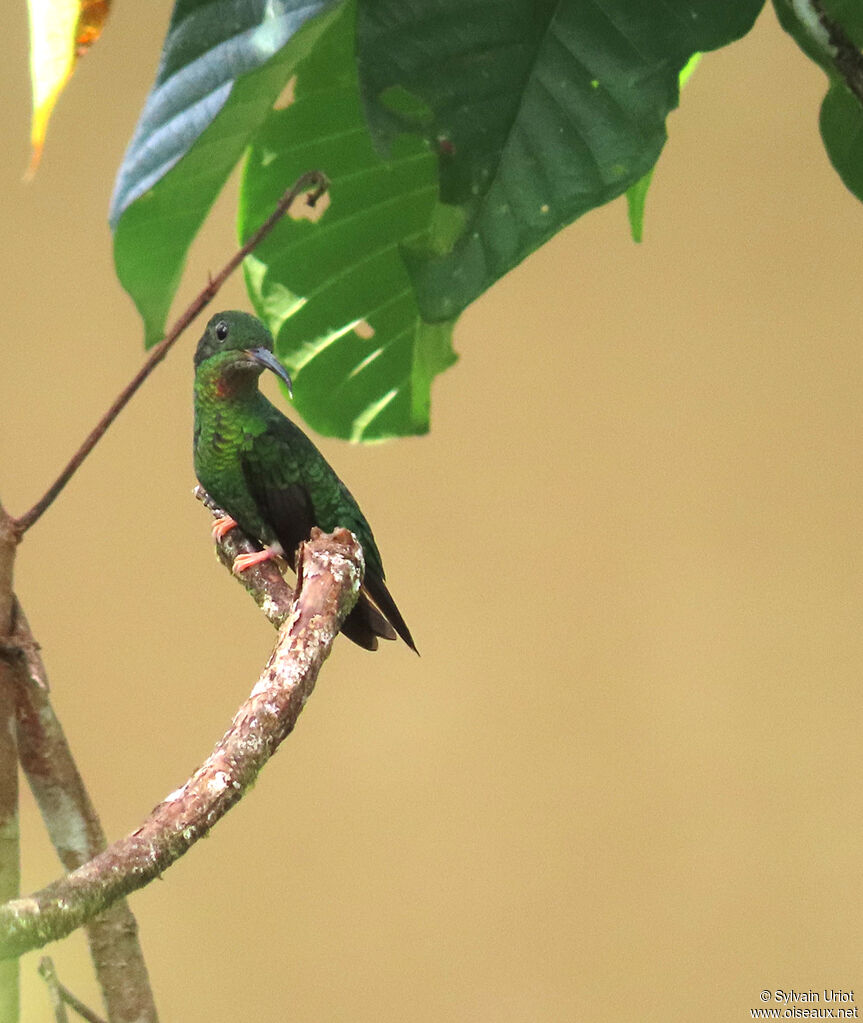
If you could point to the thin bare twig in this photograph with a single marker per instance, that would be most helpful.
(313, 182)
(84, 1011)
(62, 995)
(49, 975)
(328, 584)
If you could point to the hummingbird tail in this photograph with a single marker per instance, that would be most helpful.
(365, 625)
(375, 588)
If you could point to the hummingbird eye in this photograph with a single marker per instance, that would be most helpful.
(221, 330)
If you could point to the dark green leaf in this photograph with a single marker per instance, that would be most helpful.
(849, 14)
(223, 64)
(336, 291)
(538, 111)
(841, 125)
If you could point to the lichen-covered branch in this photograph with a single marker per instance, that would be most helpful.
(330, 574)
(264, 583)
(9, 843)
(76, 833)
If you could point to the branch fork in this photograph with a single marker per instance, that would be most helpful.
(331, 569)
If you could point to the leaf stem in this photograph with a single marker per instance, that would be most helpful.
(834, 41)
(313, 182)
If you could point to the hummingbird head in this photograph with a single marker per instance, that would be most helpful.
(241, 343)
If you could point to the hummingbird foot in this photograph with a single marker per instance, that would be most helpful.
(244, 561)
(224, 524)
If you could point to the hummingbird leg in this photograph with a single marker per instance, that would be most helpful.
(222, 525)
(244, 561)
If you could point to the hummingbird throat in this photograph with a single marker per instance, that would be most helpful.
(228, 383)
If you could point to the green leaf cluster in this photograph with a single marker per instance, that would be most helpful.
(458, 139)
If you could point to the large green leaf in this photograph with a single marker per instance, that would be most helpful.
(223, 64)
(336, 292)
(841, 124)
(539, 110)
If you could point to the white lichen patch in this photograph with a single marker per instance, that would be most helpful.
(312, 570)
(263, 685)
(172, 797)
(22, 907)
(68, 826)
(219, 782)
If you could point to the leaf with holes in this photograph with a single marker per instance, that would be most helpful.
(539, 110)
(335, 290)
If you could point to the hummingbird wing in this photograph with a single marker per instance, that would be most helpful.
(287, 510)
(276, 480)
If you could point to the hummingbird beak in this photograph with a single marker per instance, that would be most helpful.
(265, 358)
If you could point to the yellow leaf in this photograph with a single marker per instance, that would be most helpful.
(60, 32)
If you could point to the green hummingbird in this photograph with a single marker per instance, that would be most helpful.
(266, 474)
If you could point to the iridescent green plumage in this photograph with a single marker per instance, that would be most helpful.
(265, 472)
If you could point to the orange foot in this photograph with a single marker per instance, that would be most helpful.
(244, 561)
(222, 525)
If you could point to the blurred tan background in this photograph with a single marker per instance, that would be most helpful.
(624, 779)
